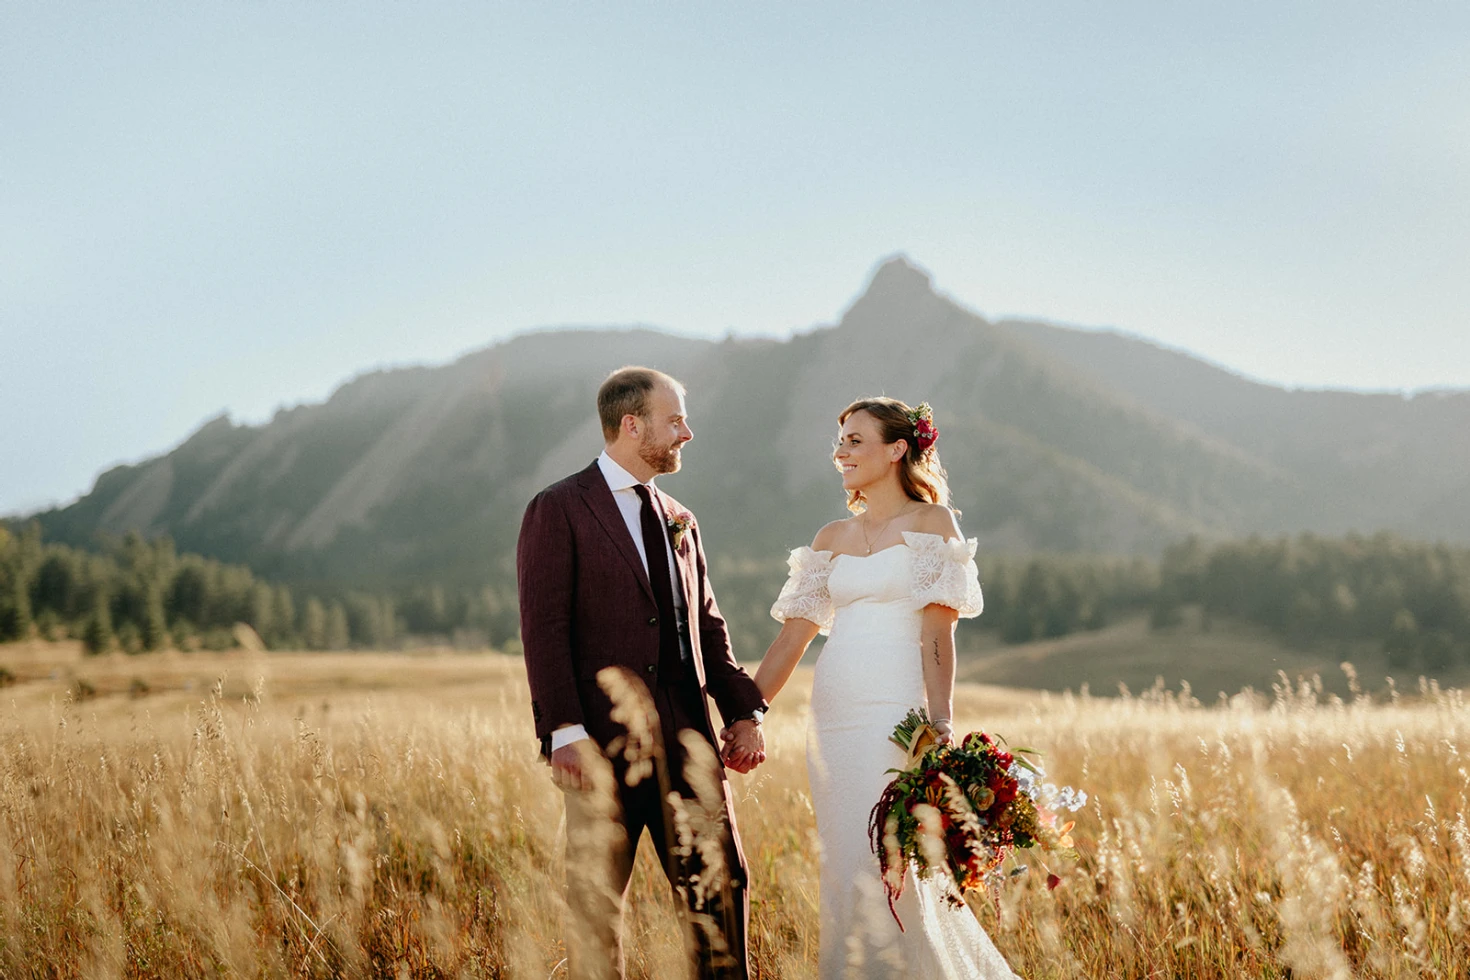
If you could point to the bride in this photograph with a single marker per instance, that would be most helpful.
(887, 586)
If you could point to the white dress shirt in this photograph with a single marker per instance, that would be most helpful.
(621, 483)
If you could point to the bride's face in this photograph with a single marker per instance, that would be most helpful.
(861, 454)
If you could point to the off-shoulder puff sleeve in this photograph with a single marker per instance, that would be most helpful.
(805, 595)
(944, 572)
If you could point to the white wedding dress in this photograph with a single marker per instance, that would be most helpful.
(869, 675)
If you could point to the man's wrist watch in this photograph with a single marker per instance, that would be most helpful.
(757, 716)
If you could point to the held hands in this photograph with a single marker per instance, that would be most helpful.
(575, 766)
(570, 767)
(745, 745)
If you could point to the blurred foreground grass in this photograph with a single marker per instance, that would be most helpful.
(381, 815)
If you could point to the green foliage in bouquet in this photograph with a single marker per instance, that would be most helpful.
(960, 810)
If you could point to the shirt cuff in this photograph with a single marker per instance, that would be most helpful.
(568, 735)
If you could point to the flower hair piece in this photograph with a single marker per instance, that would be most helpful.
(925, 431)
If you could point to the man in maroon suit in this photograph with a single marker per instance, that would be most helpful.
(616, 604)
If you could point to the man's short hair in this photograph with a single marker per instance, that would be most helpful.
(625, 392)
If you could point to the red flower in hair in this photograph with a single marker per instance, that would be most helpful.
(925, 431)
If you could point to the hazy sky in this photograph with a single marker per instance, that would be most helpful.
(232, 206)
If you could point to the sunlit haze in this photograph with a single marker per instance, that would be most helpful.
(234, 207)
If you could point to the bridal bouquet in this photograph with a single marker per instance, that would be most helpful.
(960, 810)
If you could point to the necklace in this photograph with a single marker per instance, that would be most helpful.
(864, 525)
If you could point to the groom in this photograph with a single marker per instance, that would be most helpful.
(616, 605)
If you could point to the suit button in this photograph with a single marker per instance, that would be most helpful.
(652, 620)
(650, 668)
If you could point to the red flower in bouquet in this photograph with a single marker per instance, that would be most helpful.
(960, 810)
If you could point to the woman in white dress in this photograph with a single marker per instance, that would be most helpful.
(887, 586)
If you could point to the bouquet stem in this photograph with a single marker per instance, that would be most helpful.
(915, 735)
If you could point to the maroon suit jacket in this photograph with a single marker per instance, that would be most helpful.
(586, 604)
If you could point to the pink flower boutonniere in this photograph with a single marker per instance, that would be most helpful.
(679, 524)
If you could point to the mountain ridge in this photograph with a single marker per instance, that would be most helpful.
(1056, 439)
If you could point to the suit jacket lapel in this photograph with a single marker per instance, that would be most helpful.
(600, 501)
(688, 573)
(684, 561)
(684, 558)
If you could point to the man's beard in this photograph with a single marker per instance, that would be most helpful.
(660, 459)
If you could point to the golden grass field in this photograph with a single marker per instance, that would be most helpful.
(321, 815)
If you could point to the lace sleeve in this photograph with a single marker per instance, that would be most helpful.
(944, 572)
(805, 595)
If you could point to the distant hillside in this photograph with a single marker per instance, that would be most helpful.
(1225, 659)
(1373, 461)
(1055, 439)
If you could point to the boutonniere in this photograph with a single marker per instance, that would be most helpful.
(679, 524)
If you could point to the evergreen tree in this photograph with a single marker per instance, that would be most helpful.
(337, 635)
(263, 614)
(141, 595)
(388, 616)
(154, 627)
(98, 636)
(129, 637)
(1402, 644)
(189, 595)
(1437, 651)
(1165, 612)
(58, 583)
(1064, 612)
(369, 620)
(314, 625)
(15, 607)
(284, 609)
(1033, 599)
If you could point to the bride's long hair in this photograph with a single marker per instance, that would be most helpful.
(921, 474)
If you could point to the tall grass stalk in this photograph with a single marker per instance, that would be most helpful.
(386, 817)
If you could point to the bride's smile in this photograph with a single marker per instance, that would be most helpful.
(860, 453)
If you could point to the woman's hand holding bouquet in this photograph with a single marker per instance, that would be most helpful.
(961, 809)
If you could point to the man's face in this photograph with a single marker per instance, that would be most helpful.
(665, 430)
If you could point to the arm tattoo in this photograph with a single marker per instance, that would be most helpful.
(936, 651)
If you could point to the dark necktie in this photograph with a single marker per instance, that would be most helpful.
(652, 521)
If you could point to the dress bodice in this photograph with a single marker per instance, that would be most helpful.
(925, 569)
(882, 577)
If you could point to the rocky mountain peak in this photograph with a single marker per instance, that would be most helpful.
(1055, 439)
(898, 277)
